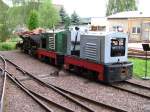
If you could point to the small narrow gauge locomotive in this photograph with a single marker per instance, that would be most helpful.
(103, 55)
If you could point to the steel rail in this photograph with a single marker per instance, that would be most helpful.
(28, 92)
(4, 85)
(54, 103)
(61, 91)
(46, 99)
(138, 85)
(55, 89)
(129, 91)
(33, 94)
(90, 100)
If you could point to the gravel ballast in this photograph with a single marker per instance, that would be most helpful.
(18, 101)
(96, 91)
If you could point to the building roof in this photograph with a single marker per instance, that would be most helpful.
(85, 20)
(129, 14)
(101, 21)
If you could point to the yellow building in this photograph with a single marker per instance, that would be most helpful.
(99, 24)
(135, 23)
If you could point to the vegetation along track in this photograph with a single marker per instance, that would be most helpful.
(133, 88)
(2, 82)
(76, 98)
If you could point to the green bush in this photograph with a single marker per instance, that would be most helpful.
(5, 46)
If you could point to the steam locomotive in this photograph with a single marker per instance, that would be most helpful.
(102, 55)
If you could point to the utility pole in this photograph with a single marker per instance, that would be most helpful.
(146, 48)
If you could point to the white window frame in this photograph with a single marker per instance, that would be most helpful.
(136, 30)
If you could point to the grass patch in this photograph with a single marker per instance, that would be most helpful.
(139, 67)
(10, 44)
(6, 46)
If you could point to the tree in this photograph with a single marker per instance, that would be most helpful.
(67, 21)
(33, 21)
(115, 6)
(131, 5)
(11, 17)
(4, 29)
(18, 14)
(49, 16)
(18, 2)
(75, 19)
(63, 14)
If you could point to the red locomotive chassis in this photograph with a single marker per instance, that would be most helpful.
(99, 68)
(44, 53)
(107, 73)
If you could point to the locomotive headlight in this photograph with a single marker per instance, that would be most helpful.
(124, 71)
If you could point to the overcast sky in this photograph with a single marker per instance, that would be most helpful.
(93, 8)
(84, 8)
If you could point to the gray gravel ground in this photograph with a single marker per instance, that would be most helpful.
(50, 94)
(78, 85)
(102, 93)
(141, 82)
(28, 63)
(18, 101)
(58, 98)
(134, 88)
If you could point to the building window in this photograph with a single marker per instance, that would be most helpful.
(118, 28)
(98, 28)
(94, 28)
(136, 30)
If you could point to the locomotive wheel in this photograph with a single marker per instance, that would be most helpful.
(92, 75)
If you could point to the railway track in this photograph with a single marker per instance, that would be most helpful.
(133, 88)
(76, 98)
(36, 97)
(2, 83)
(139, 85)
(138, 53)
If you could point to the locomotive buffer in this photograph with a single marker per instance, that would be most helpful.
(146, 48)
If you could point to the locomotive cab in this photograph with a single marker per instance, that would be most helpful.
(117, 67)
(53, 47)
(30, 43)
(73, 42)
(109, 50)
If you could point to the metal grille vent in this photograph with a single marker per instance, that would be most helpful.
(90, 51)
(52, 43)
